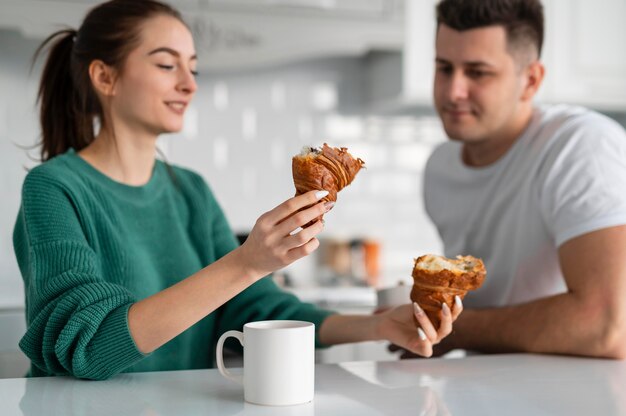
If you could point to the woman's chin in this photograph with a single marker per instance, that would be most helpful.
(171, 129)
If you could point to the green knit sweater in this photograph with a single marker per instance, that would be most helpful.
(89, 247)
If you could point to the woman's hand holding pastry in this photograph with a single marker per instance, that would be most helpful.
(398, 325)
(280, 236)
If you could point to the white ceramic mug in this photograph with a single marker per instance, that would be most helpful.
(278, 362)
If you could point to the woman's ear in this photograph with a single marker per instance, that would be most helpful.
(534, 77)
(102, 77)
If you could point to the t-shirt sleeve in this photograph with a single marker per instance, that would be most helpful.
(77, 322)
(585, 187)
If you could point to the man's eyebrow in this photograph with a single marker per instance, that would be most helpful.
(477, 63)
(170, 51)
(472, 64)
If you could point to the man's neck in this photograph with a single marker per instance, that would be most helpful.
(489, 151)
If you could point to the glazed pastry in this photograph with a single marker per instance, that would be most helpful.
(327, 168)
(437, 279)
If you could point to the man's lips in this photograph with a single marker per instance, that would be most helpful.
(457, 113)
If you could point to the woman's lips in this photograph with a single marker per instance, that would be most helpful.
(177, 106)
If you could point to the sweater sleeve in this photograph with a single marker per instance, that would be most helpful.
(264, 300)
(77, 322)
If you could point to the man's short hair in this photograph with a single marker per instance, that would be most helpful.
(522, 20)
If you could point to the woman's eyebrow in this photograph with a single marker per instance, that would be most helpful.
(170, 51)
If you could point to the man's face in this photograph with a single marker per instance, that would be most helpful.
(478, 85)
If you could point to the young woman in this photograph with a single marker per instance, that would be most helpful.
(129, 263)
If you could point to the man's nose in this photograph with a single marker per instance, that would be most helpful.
(458, 87)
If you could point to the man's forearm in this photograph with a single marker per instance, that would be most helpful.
(561, 324)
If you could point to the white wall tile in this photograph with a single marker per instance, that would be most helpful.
(249, 124)
(220, 153)
(191, 123)
(221, 96)
(411, 157)
(278, 95)
(324, 96)
(244, 129)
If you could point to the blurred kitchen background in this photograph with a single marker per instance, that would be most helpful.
(276, 75)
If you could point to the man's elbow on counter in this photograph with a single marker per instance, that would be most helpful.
(612, 344)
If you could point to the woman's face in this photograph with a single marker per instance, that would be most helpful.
(158, 79)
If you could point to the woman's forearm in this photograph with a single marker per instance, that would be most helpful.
(269, 247)
(159, 318)
(341, 329)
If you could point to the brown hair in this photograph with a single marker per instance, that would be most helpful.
(522, 20)
(69, 104)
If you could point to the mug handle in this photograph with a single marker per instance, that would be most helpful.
(220, 356)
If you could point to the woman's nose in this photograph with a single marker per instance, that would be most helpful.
(187, 82)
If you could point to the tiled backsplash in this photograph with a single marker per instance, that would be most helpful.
(251, 124)
(241, 133)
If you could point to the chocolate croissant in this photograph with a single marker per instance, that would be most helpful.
(437, 279)
(327, 168)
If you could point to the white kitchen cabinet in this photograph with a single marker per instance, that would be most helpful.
(419, 52)
(245, 34)
(585, 53)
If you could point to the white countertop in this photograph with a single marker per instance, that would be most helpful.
(515, 384)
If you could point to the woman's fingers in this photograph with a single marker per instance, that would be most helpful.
(298, 220)
(447, 317)
(457, 308)
(292, 205)
(279, 237)
(400, 329)
(303, 236)
(420, 344)
(445, 327)
(423, 321)
(303, 250)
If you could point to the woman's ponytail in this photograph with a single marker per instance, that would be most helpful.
(64, 121)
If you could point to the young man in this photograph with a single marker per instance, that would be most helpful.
(538, 192)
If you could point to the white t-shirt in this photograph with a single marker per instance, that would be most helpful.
(564, 177)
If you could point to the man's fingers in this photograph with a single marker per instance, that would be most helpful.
(394, 348)
(292, 205)
(408, 354)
